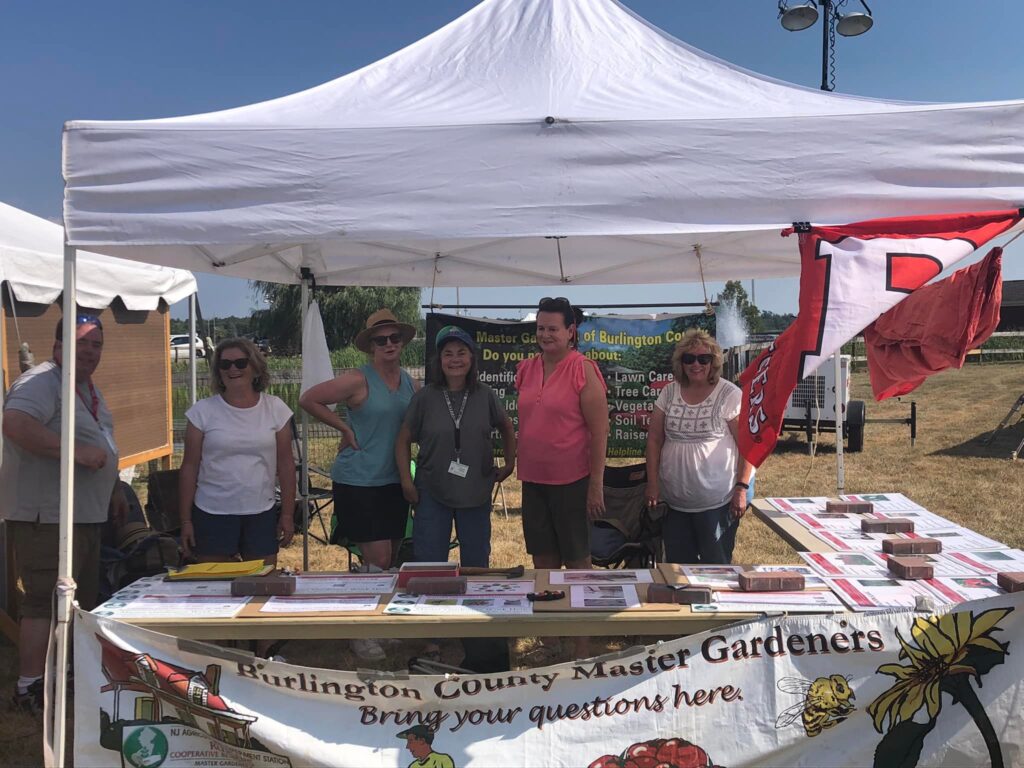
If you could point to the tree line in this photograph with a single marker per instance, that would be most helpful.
(344, 310)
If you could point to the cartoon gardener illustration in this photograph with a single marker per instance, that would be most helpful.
(419, 742)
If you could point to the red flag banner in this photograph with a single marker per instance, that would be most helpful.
(849, 276)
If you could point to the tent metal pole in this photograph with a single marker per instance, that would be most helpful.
(840, 418)
(700, 304)
(65, 591)
(192, 349)
(304, 471)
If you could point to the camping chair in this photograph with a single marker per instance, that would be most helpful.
(321, 494)
(629, 533)
(162, 502)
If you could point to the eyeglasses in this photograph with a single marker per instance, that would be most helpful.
(689, 358)
(240, 363)
(383, 341)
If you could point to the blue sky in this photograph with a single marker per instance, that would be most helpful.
(124, 59)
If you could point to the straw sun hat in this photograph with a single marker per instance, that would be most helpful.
(380, 318)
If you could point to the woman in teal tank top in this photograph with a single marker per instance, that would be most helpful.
(368, 502)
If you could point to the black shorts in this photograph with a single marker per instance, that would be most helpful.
(253, 537)
(555, 520)
(369, 513)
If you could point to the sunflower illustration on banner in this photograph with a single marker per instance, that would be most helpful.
(944, 654)
(849, 276)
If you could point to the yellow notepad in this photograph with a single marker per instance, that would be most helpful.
(229, 570)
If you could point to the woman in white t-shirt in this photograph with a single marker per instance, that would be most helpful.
(238, 445)
(693, 463)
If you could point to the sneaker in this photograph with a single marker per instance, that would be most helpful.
(30, 701)
(367, 649)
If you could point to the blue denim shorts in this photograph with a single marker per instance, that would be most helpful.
(251, 536)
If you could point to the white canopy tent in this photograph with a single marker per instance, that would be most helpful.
(521, 121)
(529, 142)
(31, 270)
(31, 264)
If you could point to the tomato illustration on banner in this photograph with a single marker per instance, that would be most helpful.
(849, 276)
(657, 753)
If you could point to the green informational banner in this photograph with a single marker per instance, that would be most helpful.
(634, 355)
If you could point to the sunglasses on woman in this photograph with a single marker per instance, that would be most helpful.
(689, 358)
(240, 363)
(548, 301)
(383, 341)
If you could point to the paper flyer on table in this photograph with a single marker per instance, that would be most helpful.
(799, 504)
(713, 576)
(498, 588)
(601, 576)
(922, 519)
(615, 597)
(319, 603)
(811, 579)
(868, 594)
(164, 606)
(865, 564)
(985, 561)
(345, 583)
(884, 502)
(960, 539)
(758, 602)
(961, 589)
(828, 521)
(433, 605)
(852, 541)
(155, 585)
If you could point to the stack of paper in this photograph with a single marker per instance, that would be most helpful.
(231, 570)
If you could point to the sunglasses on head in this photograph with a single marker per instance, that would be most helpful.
(383, 341)
(240, 363)
(557, 300)
(689, 358)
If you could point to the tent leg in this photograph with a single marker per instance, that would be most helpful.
(304, 472)
(192, 349)
(65, 592)
(840, 418)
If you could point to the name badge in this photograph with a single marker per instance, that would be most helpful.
(109, 438)
(457, 468)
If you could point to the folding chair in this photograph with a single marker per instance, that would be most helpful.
(321, 493)
(162, 501)
(629, 534)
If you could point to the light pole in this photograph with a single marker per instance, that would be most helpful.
(802, 16)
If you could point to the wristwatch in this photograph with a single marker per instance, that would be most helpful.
(741, 484)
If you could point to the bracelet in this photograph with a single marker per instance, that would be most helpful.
(741, 484)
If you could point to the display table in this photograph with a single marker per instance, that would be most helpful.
(794, 534)
(548, 619)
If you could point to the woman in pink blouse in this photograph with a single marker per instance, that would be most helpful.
(563, 436)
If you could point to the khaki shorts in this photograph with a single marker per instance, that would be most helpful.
(36, 557)
(555, 520)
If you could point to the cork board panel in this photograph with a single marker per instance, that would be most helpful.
(133, 375)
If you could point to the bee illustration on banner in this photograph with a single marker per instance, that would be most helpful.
(827, 701)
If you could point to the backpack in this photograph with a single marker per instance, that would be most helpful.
(139, 551)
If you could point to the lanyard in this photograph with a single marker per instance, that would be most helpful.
(457, 419)
(94, 411)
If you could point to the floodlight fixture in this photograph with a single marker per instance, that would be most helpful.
(853, 24)
(797, 17)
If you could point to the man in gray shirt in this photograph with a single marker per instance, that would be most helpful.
(30, 502)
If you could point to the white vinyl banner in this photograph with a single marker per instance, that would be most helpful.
(885, 689)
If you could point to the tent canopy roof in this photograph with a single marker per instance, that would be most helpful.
(32, 264)
(455, 161)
